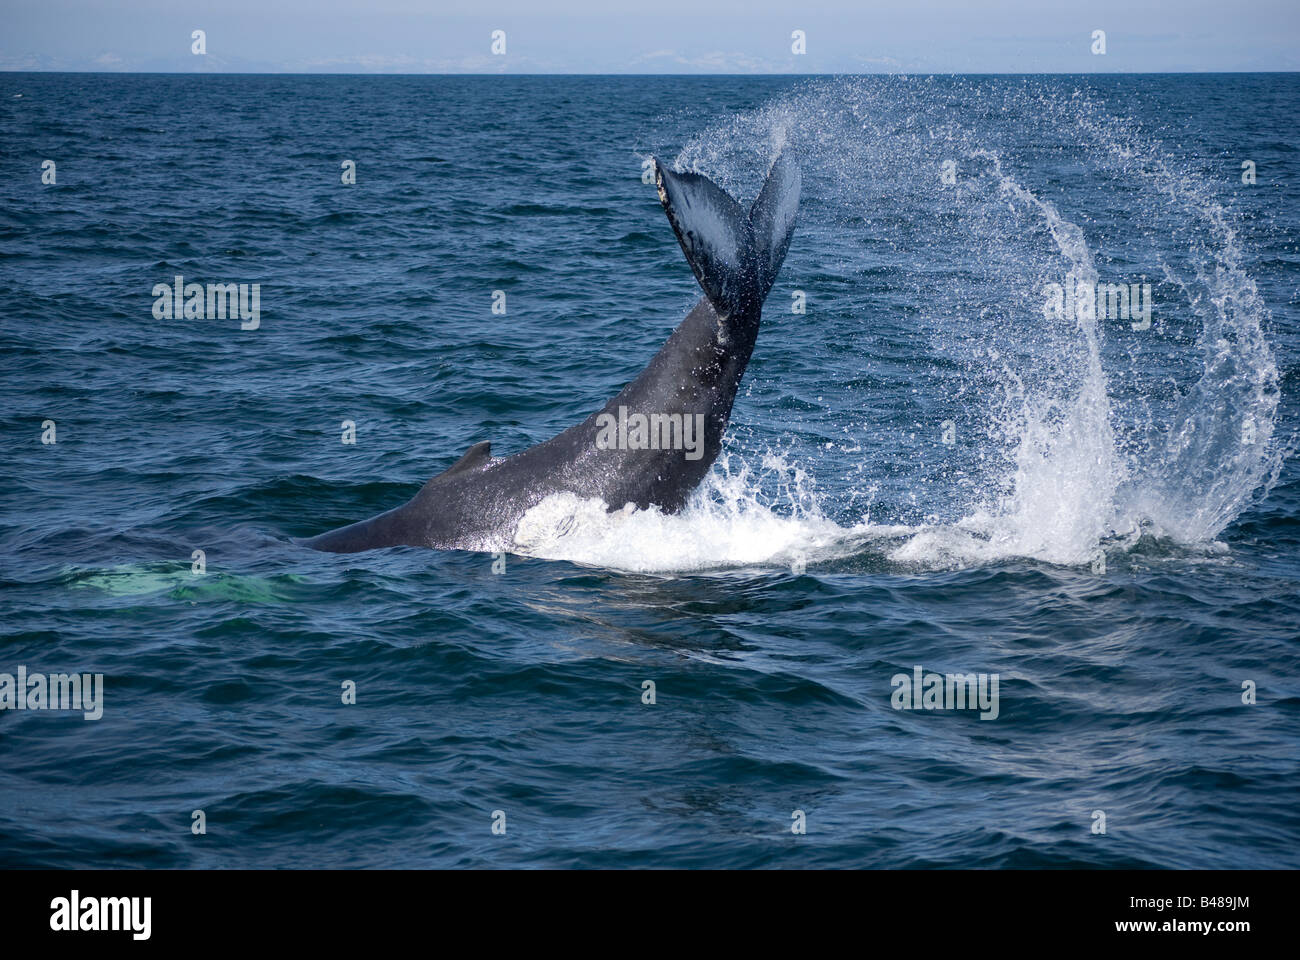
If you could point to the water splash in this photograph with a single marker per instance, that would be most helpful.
(728, 523)
(1079, 434)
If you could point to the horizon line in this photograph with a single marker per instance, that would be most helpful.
(872, 73)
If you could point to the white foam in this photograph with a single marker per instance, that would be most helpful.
(725, 525)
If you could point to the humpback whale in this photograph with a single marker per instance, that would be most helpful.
(653, 443)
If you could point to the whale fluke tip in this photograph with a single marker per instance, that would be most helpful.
(735, 257)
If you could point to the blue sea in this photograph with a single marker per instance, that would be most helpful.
(940, 462)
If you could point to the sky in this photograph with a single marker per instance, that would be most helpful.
(652, 36)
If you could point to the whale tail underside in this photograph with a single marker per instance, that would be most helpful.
(735, 256)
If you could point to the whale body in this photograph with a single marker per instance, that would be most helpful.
(652, 444)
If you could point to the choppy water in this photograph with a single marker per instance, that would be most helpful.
(925, 467)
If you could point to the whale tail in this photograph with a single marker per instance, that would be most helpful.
(735, 256)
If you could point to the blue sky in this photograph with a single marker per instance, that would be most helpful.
(659, 36)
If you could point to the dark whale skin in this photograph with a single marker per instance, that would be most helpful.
(478, 502)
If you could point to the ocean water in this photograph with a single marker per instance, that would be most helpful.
(929, 466)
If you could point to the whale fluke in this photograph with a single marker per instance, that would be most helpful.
(772, 219)
(734, 256)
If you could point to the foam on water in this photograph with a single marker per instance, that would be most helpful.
(1074, 446)
(726, 524)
